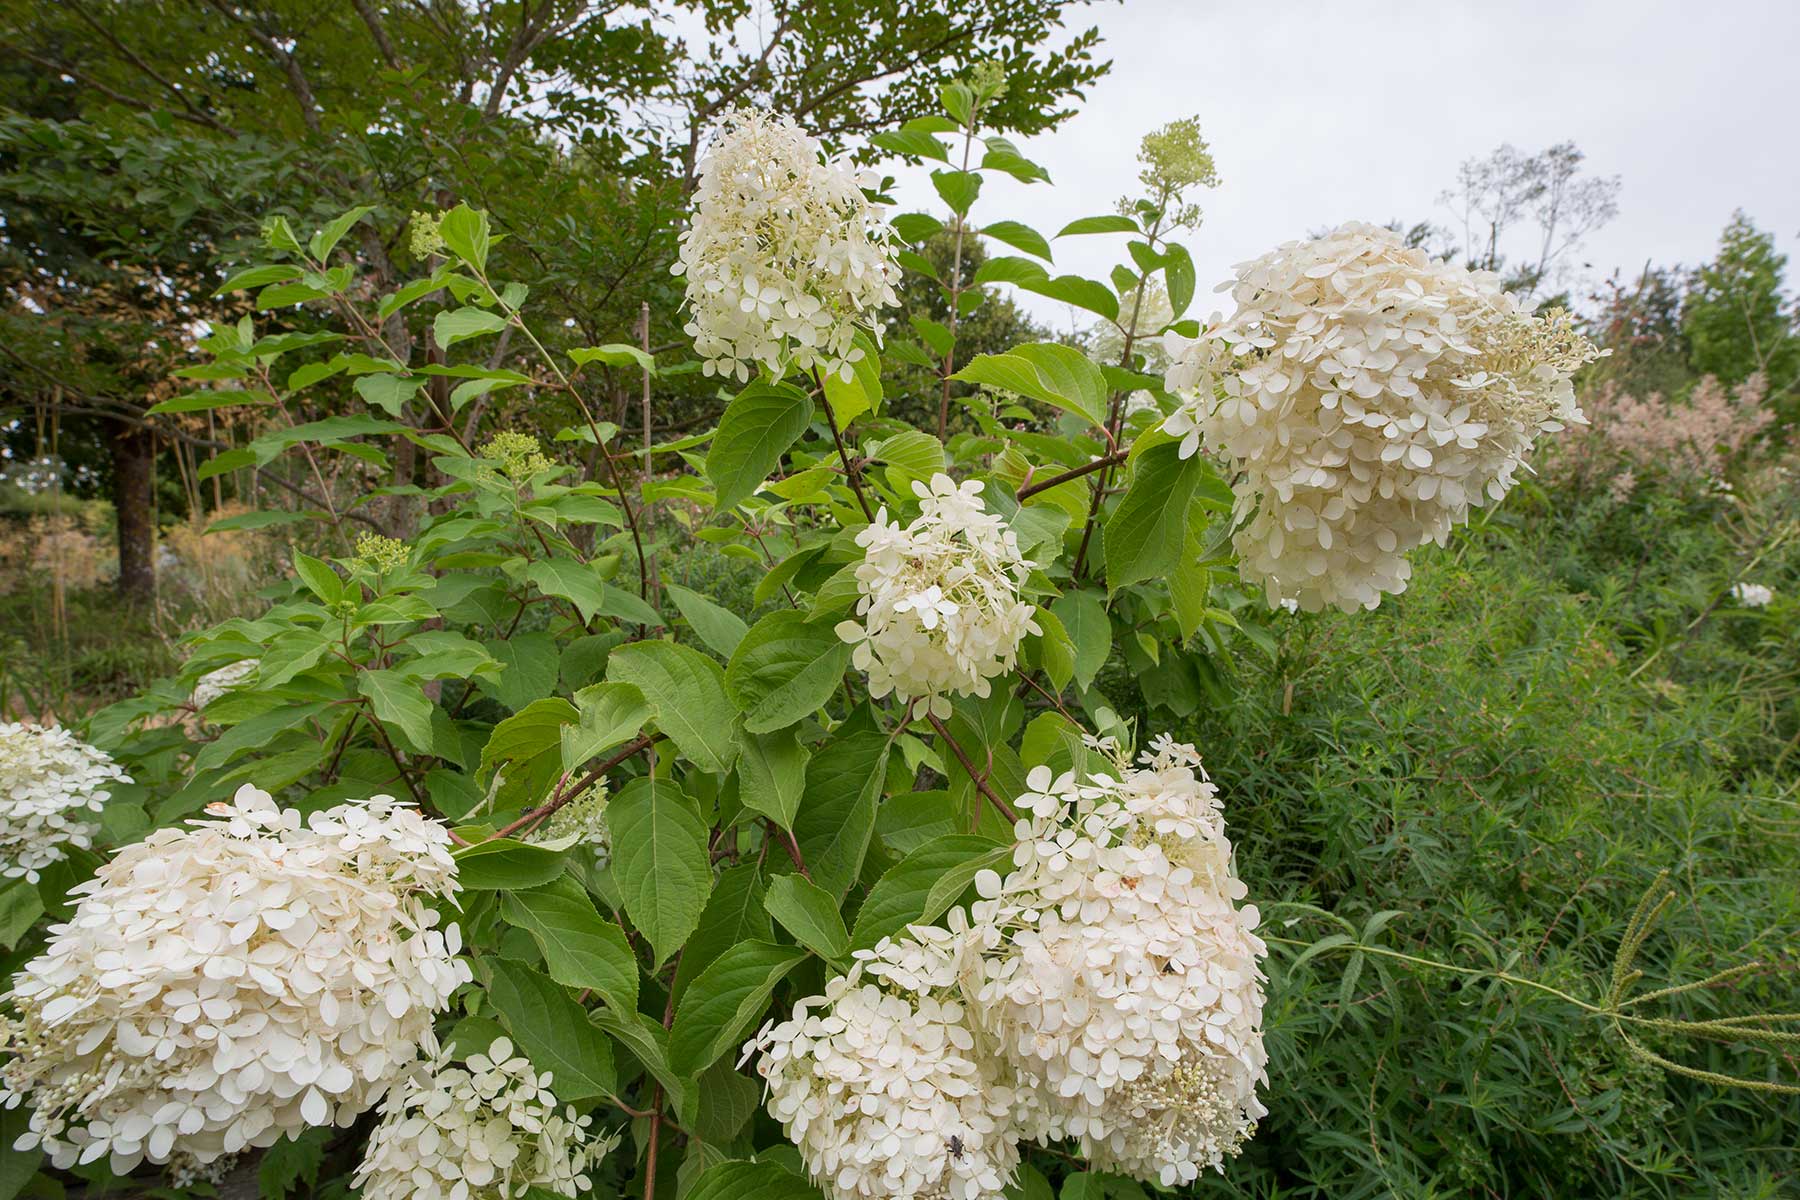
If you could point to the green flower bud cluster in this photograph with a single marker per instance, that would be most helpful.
(519, 454)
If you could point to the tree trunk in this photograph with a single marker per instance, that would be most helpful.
(134, 481)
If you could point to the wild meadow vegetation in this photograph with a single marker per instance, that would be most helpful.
(557, 649)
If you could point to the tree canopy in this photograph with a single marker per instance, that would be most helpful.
(142, 142)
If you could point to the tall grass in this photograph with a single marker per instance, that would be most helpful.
(1487, 760)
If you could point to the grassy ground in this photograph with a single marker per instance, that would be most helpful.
(63, 664)
(69, 645)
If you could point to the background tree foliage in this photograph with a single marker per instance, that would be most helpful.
(1736, 317)
(146, 138)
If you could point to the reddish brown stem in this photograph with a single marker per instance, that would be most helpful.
(1050, 481)
(1046, 693)
(565, 794)
(792, 847)
(980, 777)
(655, 1136)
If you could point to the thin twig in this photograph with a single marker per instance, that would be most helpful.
(394, 753)
(1047, 694)
(792, 847)
(851, 471)
(565, 794)
(1115, 418)
(1050, 481)
(980, 778)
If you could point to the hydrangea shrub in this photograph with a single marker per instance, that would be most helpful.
(863, 890)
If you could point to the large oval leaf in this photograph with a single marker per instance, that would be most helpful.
(785, 669)
(581, 948)
(1084, 617)
(686, 691)
(717, 626)
(771, 775)
(837, 815)
(923, 885)
(506, 863)
(553, 1031)
(1060, 376)
(1146, 534)
(607, 715)
(734, 913)
(742, 1180)
(660, 860)
(759, 425)
(718, 1007)
(809, 913)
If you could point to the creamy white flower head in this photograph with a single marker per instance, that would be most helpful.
(214, 684)
(785, 257)
(881, 1082)
(1752, 595)
(487, 1128)
(1116, 973)
(940, 605)
(583, 820)
(51, 784)
(1147, 311)
(224, 986)
(1364, 397)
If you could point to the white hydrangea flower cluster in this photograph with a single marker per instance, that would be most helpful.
(1147, 309)
(1107, 989)
(785, 258)
(1117, 974)
(583, 820)
(224, 986)
(214, 684)
(485, 1129)
(1366, 396)
(940, 602)
(881, 1084)
(1753, 595)
(50, 781)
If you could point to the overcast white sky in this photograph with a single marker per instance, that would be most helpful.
(1321, 111)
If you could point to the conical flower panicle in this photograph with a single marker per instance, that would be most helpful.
(226, 985)
(785, 258)
(1365, 396)
(1117, 974)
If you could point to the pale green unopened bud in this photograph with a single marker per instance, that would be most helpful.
(424, 238)
(380, 554)
(519, 454)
